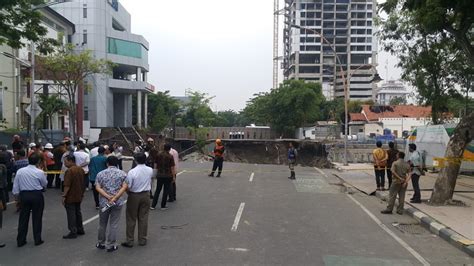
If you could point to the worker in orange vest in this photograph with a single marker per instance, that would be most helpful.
(218, 158)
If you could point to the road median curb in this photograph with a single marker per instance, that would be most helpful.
(436, 227)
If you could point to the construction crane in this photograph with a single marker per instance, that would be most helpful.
(276, 20)
(277, 12)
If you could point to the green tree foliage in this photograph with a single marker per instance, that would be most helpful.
(398, 101)
(197, 112)
(162, 110)
(228, 118)
(435, 43)
(69, 70)
(19, 23)
(52, 104)
(292, 105)
(256, 111)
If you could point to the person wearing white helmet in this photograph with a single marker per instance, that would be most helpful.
(32, 148)
(48, 158)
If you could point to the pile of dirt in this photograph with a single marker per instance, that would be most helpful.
(196, 157)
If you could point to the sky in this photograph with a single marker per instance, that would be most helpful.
(220, 47)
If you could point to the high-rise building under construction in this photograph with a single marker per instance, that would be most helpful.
(332, 42)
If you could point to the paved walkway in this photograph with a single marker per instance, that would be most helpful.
(458, 218)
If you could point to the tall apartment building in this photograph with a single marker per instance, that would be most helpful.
(347, 26)
(104, 27)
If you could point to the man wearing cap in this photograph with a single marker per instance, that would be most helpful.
(32, 148)
(218, 158)
(48, 158)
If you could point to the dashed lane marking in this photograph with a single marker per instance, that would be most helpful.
(391, 233)
(251, 177)
(237, 217)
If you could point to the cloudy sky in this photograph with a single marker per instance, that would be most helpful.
(220, 47)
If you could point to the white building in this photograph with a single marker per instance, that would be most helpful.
(390, 90)
(104, 27)
(15, 69)
(373, 120)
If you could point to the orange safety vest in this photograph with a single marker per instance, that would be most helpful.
(219, 150)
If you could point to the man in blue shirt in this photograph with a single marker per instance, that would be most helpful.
(28, 186)
(98, 163)
(292, 153)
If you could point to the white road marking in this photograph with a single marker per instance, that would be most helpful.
(320, 171)
(238, 249)
(251, 177)
(95, 217)
(90, 220)
(237, 217)
(391, 233)
(182, 172)
(11, 202)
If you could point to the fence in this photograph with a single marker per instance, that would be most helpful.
(228, 133)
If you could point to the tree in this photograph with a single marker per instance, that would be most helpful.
(51, 105)
(445, 53)
(69, 71)
(398, 101)
(197, 112)
(162, 110)
(228, 118)
(257, 110)
(19, 23)
(292, 105)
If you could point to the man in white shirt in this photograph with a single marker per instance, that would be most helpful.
(175, 154)
(138, 183)
(83, 160)
(95, 151)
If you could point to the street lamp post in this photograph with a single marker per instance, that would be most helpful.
(345, 79)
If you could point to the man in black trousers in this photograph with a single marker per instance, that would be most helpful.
(28, 187)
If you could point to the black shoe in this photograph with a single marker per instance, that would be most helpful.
(400, 212)
(81, 233)
(39, 243)
(70, 236)
(211, 175)
(127, 245)
(112, 249)
(142, 243)
(171, 200)
(21, 244)
(415, 201)
(100, 246)
(218, 175)
(2, 245)
(386, 212)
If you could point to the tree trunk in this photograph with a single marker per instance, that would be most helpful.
(446, 182)
(72, 118)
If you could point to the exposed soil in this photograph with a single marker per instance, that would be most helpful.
(269, 152)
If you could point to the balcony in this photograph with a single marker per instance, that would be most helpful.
(128, 86)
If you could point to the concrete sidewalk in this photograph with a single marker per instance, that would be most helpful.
(454, 223)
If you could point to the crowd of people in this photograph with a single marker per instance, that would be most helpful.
(400, 169)
(28, 170)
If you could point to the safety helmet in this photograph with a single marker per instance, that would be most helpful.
(32, 145)
(49, 146)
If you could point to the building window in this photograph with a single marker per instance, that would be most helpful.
(84, 37)
(84, 11)
(126, 48)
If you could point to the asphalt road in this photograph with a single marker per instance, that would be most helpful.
(310, 221)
